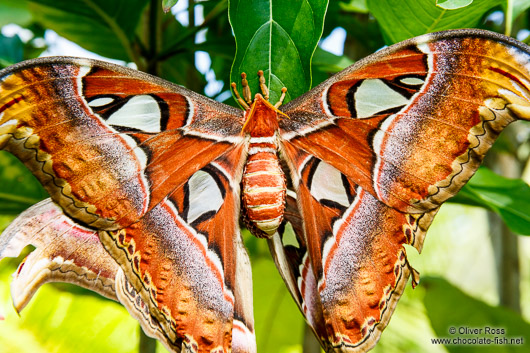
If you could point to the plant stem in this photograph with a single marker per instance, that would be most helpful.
(176, 48)
(504, 241)
(152, 45)
(508, 18)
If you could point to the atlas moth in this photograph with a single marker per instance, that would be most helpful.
(148, 179)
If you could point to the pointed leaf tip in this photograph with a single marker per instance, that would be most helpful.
(168, 4)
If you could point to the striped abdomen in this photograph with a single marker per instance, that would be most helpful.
(263, 187)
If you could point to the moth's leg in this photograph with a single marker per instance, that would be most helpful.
(282, 97)
(263, 85)
(246, 92)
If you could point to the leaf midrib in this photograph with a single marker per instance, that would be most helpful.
(114, 27)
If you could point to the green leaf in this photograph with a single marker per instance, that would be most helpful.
(452, 4)
(325, 61)
(274, 305)
(363, 33)
(448, 307)
(325, 64)
(354, 6)
(403, 19)
(101, 26)
(14, 11)
(278, 37)
(509, 198)
(520, 6)
(11, 50)
(19, 189)
(168, 4)
(180, 67)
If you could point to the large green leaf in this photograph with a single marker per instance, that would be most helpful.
(11, 50)
(19, 189)
(519, 6)
(278, 37)
(402, 19)
(453, 4)
(510, 198)
(449, 308)
(102, 26)
(14, 11)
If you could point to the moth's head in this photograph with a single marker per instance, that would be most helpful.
(260, 116)
(246, 101)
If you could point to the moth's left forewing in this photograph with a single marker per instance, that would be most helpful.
(156, 169)
(108, 143)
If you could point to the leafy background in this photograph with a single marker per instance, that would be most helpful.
(475, 268)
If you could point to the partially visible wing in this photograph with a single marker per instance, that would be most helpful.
(68, 252)
(411, 123)
(64, 252)
(109, 143)
(288, 248)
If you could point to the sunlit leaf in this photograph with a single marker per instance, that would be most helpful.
(14, 11)
(510, 198)
(452, 4)
(168, 4)
(273, 305)
(354, 6)
(329, 62)
(402, 19)
(57, 321)
(278, 37)
(520, 6)
(325, 64)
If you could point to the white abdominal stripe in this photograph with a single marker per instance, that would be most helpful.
(139, 113)
(328, 185)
